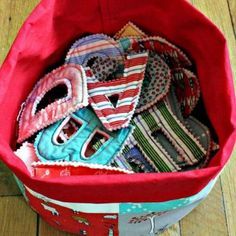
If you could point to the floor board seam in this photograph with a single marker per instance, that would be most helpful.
(225, 213)
(231, 17)
(180, 228)
(37, 225)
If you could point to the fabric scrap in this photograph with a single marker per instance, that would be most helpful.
(85, 50)
(156, 83)
(104, 69)
(47, 170)
(125, 91)
(130, 30)
(172, 55)
(27, 154)
(187, 89)
(74, 78)
(76, 146)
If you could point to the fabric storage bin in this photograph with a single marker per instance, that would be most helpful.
(137, 204)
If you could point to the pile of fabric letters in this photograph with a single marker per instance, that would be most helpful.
(117, 105)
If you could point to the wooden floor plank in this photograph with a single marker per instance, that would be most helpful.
(232, 7)
(208, 218)
(8, 185)
(174, 230)
(16, 218)
(229, 192)
(218, 11)
(5, 18)
(12, 15)
(20, 10)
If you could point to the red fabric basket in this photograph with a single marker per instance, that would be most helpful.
(43, 41)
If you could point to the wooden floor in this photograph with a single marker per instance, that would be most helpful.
(215, 216)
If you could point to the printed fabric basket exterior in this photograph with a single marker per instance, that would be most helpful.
(136, 204)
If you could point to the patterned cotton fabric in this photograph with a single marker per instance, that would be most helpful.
(128, 108)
